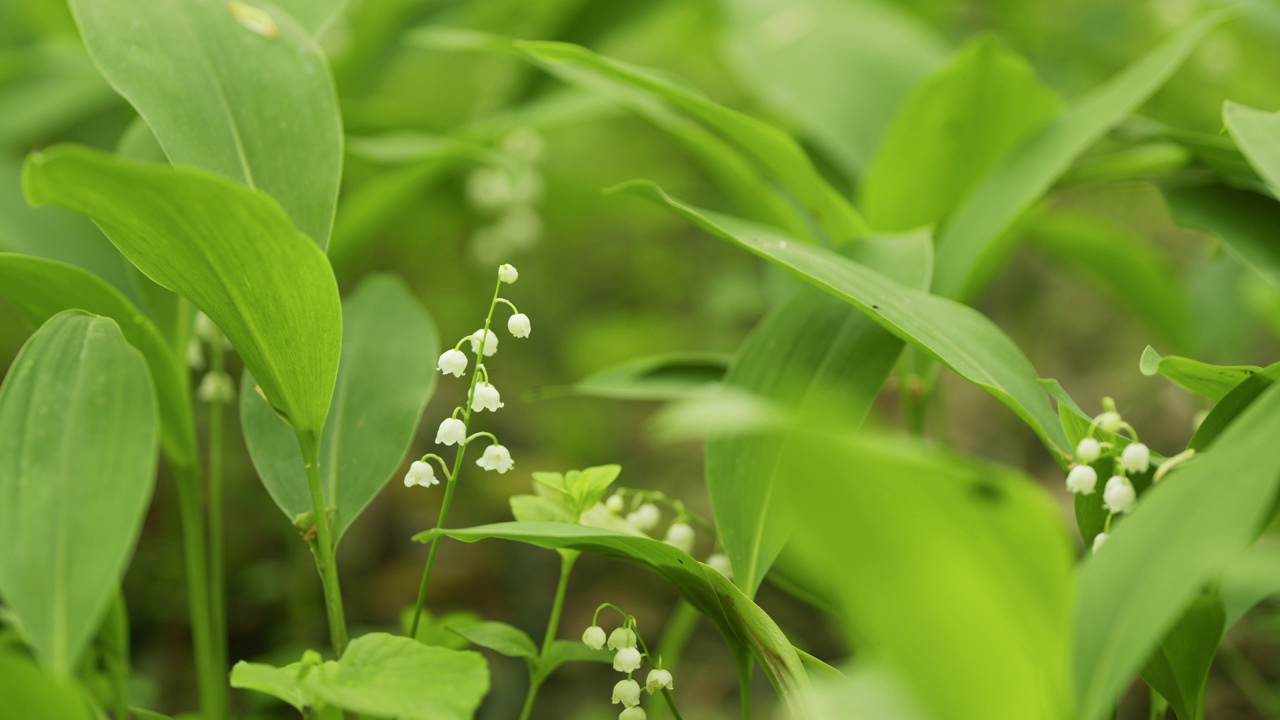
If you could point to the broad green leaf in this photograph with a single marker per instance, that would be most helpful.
(739, 620)
(838, 68)
(1257, 133)
(1209, 381)
(33, 693)
(1231, 405)
(46, 88)
(314, 15)
(78, 436)
(971, 239)
(1179, 669)
(380, 675)
(44, 288)
(771, 148)
(670, 376)
(952, 130)
(958, 336)
(385, 378)
(1123, 263)
(228, 249)
(1244, 221)
(1250, 578)
(255, 104)
(813, 348)
(953, 575)
(1185, 530)
(500, 638)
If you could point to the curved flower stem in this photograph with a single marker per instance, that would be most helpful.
(322, 547)
(452, 482)
(209, 675)
(567, 559)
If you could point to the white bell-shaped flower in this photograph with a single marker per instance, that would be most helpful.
(452, 362)
(195, 354)
(490, 342)
(627, 660)
(627, 692)
(496, 457)
(205, 329)
(1099, 540)
(623, 637)
(615, 504)
(421, 474)
(486, 398)
(1110, 421)
(1082, 480)
(1136, 458)
(508, 274)
(593, 637)
(1119, 495)
(720, 563)
(659, 679)
(633, 713)
(452, 431)
(518, 325)
(645, 518)
(216, 387)
(680, 535)
(1088, 450)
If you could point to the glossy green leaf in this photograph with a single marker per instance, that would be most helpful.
(958, 336)
(228, 249)
(972, 236)
(255, 104)
(1209, 381)
(380, 675)
(952, 575)
(500, 638)
(1122, 263)
(1231, 405)
(1185, 530)
(385, 377)
(740, 621)
(789, 51)
(670, 376)
(44, 288)
(33, 693)
(1244, 221)
(1257, 134)
(953, 129)
(813, 348)
(1179, 669)
(78, 438)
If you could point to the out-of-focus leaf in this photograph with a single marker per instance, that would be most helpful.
(46, 88)
(1123, 263)
(741, 621)
(970, 242)
(1184, 530)
(1250, 578)
(1257, 134)
(813, 348)
(671, 376)
(1244, 221)
(838, 68)
(44, 288)
(952, 130)
(1231, 405)
(235, 88)
(500, 638)
(32, 693)
(563, 651)
(907, 540)
(1179, 669)
(1209, 381)
(958, 336)
(313, 15)
(78, 437)
(385, 377)
(228, 249)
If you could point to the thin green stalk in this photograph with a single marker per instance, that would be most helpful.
(452, 481)
(115, 641)
(567, 559)
(745, 665)
(210, 683)
(322, 547)
(217, 562)
(675, 636)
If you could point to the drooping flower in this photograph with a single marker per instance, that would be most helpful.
(1110, 421)
(1099, 540)
(1082, 479)
(615, 504)
(1119, 495)
(452, 431)
(645, 518)
(452, 362)
(633, 713)
(659, 679)
(627, 692)
(720, 563)
(518, 325)
(1088, 450)
(216, 387)
(623, 637)
(680, 535)
(508, 274)
(486, 398)
(490, 342)
(593, 637)
(1136, 458)
(205, 329)
(422, 474)
(627, 660)
(496, 457)
(195, 355)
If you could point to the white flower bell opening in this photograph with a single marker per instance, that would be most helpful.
(627, 660)
(1088, 450)
(508, 274)
(627, 692)
(1082, 479)
(1136, 458)
(518, 325)
(452, 431)
(496, 457)
(593, 637)
(490, 342)
(633, 713)
(421, 474)
(486, 398)
(1119, 495)
(658, 680)
(645, 518)
(680, 535)
(452, 362)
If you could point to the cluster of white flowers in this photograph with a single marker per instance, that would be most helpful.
(508, 196)
(647, 517)
(483, 395)
(627, 659)
(1118, 495)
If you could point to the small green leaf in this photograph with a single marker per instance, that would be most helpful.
(535, 508)
(228, 249)
(255, 104)
(78, 437)
(671, 376)
(1209, 381)
(1179, 669)
(500, 638)
(385, 377)
(563, 651)
(1257, 133)
(1231, 405)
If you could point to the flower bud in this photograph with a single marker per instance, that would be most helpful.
(486, 398)
(1136, 458)
(508, 274)
(681, 536)
(615, 504)
(216, 387)
(593, 637)
(623, 637)
(627, 692)
(452, 432)
(720, 563)
(452, 362)
(496, 457)
(490, 342)
(633, 713)
(195, 354)
(1088, 450)
(645, 518)
(422, 474)
(1119, 495)
(1082, 479)
(627, 660)
(1098, 541)
(518, 325)
(1110, 421)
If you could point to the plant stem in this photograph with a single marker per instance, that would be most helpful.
(567, 559)
(210, 682)
(452, 481)
(114, 638)
(745, 665)
(217, 562)
(322, 547)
